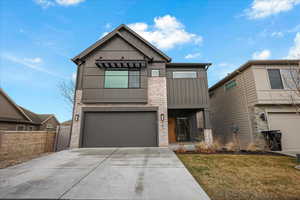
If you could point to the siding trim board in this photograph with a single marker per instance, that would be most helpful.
(249, 64)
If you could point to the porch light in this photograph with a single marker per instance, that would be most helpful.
(76, 117)
(162, 117)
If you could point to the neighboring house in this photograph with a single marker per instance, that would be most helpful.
(66, 123)
(129, 94)
(14, 117)
(257, 96)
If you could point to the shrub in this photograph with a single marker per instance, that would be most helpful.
(202, 147)
(253, 147)
(181, 149)
(232, 146)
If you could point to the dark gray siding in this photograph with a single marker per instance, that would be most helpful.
(94, 91)
(187, 92)
(91, 77)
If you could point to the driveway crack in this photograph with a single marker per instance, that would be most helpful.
(68, 190)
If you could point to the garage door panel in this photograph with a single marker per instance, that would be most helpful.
(289, 125)
(119, 129)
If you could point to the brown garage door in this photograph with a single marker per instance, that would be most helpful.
(289, 124)
(119, 129)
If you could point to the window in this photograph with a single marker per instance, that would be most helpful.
(290, 78)
(230, 84)
(275, 79)
(185, 74)
(21, 127)
(30, 128)
(154, 72)
(49, 126)
(122, 78)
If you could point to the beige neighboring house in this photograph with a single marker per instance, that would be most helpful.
(257, 96)
(16, 118)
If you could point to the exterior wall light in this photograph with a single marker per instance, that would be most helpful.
(162, 117)
(76, 117)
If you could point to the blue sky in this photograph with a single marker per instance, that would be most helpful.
(39, 37)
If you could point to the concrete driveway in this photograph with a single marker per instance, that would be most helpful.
(102, 173)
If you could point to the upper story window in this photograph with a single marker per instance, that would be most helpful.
(230, 84)
(290, 78)
(122, 78)
(49, 126)
(275, 79)
(185, 74)
(155, 72)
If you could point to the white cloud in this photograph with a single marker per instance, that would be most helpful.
(27, 62)
(261, 55)
(45, 3)
(265, 8)
(294, 52)
(192, 55)
(48, 3)
(166, 33)
(277, 34)
(36, 60)
(69, 2)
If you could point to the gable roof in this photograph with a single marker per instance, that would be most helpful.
(249, 64)
(15, 105)
(29, 115)
(114, 33)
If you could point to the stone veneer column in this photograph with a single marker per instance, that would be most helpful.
(157, 96)
(75, 135)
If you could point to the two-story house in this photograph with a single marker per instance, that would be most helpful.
(129, 94)
(260, 95)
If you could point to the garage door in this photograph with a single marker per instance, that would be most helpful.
(119, 129)
(289, 124)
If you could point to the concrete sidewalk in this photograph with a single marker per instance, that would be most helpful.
(102, 173)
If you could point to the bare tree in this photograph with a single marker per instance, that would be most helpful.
(67, 90)
(291, 80)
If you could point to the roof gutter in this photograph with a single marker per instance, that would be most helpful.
(207, 66)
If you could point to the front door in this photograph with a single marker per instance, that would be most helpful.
(172, 130)
(183, 129)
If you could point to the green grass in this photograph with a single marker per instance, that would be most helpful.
(245, 177)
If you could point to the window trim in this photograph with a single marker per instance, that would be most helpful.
(49, 126)
(155, 70)
(183, 71)
(227, 83)
(124, 69)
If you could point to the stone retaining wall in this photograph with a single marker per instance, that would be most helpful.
(18, 144)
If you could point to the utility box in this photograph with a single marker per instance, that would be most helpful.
(273, 139)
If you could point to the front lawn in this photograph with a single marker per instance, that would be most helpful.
(245, 177)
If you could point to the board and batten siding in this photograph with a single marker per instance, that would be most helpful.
(91, 77)
(187, 92)
(231, 107)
